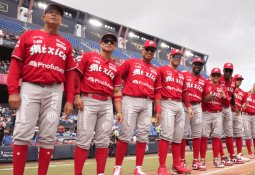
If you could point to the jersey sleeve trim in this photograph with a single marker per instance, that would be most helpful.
(117, 85)
(14, 56)
(71, 68)
(80, 71)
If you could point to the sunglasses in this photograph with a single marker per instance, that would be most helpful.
(239, 79)
(150, 49)
(216, 75)
(228, 70)
(198, 64)
(177, 56)
(106, 41)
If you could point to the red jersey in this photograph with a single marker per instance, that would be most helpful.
(45, 57)
(250, 100)
(140, 78)
(230, 86)
(100, 76)
(173, 83)
(216, 104)
(195, 86)
(240, 96)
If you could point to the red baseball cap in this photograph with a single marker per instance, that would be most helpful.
(238, 76)
(215, 71)
(175, 51)
(228, 66)
(149, 43)
(197, 60)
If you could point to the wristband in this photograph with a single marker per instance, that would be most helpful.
(158, 108)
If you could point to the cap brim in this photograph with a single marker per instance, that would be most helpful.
(198, 62)
(108, 35)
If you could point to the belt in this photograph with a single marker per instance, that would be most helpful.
(213, 111)
(194, 103)
(250, 114)
(173, 99)
(100, 97)
(44, 84)
(144, 97)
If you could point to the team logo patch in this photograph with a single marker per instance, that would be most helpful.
(52, 116)
(106, 126)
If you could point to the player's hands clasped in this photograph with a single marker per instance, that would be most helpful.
(78, 103)
(14, 101)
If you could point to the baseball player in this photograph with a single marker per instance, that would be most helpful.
(195, 86)
(43, 60)
(248, 108)
(141, 85)
(214, 98)
(238, 120)
(173, 92)
(97, 84)
(229, 83)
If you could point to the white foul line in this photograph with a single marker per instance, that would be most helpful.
(227, 168)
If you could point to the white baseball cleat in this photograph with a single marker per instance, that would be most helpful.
(117, 170)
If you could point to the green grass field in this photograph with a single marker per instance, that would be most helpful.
(65, 167)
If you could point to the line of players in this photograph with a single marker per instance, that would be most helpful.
(43, 60)
(182, 100)
(211, 107)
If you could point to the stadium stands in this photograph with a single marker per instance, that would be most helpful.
(15, 27)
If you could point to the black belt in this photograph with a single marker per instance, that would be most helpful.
(194, 103)
(145, 97)
(213, 111)
(43, 84)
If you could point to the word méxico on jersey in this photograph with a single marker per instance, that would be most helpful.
(38, 49)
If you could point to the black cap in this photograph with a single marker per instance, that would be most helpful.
(109, 35)
(55, 7)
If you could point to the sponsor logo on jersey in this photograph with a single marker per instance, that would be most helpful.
(47, 66)
(142, 83)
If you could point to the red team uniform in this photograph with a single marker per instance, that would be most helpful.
(212, 117)
(193, 126)
(173, 92)
(98, 82)
(249, 120)
(43, 61)
(240, 96)
(141, 86)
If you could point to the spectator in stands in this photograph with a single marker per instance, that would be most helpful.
(7, 141)
(2, 126)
